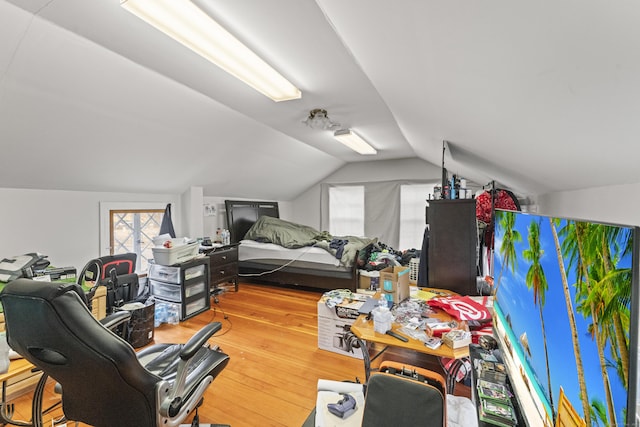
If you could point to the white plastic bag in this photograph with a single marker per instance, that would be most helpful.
(4, 353)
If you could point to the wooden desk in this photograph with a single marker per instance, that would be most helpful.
(363, 329)
(17, 367)
(366, 335)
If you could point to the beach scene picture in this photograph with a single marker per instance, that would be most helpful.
(563, 308)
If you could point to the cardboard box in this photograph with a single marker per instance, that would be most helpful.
(369, 280)
(394, 283)
(99, 303)
(333, 325)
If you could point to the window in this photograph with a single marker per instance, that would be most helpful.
(413, 200)
(346, 207)
(130, 227)
(394, 212)
(133, 231)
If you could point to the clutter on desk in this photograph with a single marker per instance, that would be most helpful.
(457, 338)
(382, 319)
(26, 265)
(433, 342)
(56, 274)
(461, 307)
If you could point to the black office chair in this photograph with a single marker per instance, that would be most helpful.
(104, 383)
(117, 273)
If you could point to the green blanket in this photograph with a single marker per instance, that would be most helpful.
(292, 236)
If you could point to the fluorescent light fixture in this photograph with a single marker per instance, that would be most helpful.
(354, 141)
(191, 26)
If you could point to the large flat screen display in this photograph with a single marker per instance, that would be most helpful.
(566, 310)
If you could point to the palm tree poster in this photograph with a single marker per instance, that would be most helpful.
(562, 306)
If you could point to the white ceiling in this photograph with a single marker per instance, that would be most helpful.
(542, 96)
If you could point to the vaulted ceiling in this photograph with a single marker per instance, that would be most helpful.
(541, 96)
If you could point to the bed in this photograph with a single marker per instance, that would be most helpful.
(267, 253)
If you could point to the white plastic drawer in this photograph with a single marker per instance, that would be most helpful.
(166, 291)
(196, 288)
(164, 273)
(195, 306)
(193, 272)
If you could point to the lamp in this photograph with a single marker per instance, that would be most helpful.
(318, 119)
(188, 24)
(354, 141)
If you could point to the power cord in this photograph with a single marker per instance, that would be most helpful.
(216, 300)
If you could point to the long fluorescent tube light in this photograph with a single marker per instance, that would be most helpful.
(354, 141)
(191, 26)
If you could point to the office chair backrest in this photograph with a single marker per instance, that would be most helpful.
(404, 396)
(117, 273)
(101, 268)
(102, 380)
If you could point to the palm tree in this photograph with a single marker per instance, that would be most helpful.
(537, 281)
(511, 235)
(598, 413)
(588, 297)
(619, 292)
(572, 323)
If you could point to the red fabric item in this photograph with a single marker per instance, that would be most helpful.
(502, 201)
(462, 308)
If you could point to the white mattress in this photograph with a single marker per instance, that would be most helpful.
(250, 249)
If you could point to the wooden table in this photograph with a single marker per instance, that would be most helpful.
(362, 328)
(16, 367)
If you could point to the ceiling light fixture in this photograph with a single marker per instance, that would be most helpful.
(318, 119)
(354, 141)
(191, 26)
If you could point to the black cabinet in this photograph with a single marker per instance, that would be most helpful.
(223, 262)
(453, 245)
(185, 285)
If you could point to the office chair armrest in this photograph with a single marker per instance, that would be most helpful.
(199, 339)
(116, 319)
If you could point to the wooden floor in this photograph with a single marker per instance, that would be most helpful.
(270, 334)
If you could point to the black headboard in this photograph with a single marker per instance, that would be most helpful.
(241, 215)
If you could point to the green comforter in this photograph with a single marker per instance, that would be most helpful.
(291, 235)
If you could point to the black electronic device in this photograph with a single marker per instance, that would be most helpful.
(397, 336)
(368, 305)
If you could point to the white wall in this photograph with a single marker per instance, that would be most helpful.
(618, 204)
(306, 207)
(65, 225)
(192, 207)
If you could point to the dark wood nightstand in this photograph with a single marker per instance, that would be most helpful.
(223, 265)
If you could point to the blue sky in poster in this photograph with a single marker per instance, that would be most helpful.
(516, 301)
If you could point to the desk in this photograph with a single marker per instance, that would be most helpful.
(366, 335)
(18, 367)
